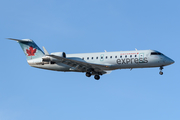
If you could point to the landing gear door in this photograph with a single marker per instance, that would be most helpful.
(141, 57)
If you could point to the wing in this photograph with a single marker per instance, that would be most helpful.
(80, 65)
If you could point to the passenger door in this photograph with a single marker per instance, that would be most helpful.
(141, 57)
(102, 57)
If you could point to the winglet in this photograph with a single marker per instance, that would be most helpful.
(45, 51)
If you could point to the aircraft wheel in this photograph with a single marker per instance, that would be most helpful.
(88, 74)
(97, 77)
(161, 73)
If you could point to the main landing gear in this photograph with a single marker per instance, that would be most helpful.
(161, 68)
(97, 77)
(88, 74)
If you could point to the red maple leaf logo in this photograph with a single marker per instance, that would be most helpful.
(31, 51)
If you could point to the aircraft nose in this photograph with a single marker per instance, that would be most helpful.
(170, 61)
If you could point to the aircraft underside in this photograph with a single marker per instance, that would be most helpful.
(90, 72)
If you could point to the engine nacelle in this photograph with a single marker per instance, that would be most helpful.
(51, 60)
(61, 54)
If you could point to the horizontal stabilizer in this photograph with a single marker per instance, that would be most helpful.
(18, 40)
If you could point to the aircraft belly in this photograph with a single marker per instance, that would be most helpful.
(54, 67)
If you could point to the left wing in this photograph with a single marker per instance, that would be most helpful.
(82, 66)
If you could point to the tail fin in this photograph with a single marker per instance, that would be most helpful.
(31, 50)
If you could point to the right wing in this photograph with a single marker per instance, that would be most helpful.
(81, 65)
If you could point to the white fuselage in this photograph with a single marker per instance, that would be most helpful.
(116, 60)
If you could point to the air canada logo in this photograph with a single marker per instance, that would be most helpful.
(31, 51)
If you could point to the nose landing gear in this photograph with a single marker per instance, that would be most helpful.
(161, 73)
(161, 68)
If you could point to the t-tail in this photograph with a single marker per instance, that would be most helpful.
(29, 47)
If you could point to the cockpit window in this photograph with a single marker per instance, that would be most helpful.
(156, 53)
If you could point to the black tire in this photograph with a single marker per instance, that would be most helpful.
(97, 77)
(161, 73)
(88, 74)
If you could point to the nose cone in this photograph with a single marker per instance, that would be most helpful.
(170, 61)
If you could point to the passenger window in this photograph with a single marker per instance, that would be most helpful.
(106, 57)
(92, 57)
(87, 58)
(121, 56)
(126, 56)
(130, 55)
(135, 55)
(96, 57)
(101, 57)
(110, 56)
(82, 58)
(115, 56)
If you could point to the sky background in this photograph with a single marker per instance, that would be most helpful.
(82, 26)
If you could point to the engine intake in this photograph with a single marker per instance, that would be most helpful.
(61, 54)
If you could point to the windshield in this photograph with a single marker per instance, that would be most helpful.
(156, 53)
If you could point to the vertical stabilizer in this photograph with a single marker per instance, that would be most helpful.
(31, 50)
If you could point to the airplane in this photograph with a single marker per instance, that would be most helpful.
(96, 64)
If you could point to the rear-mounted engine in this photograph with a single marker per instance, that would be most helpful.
(61, 54)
